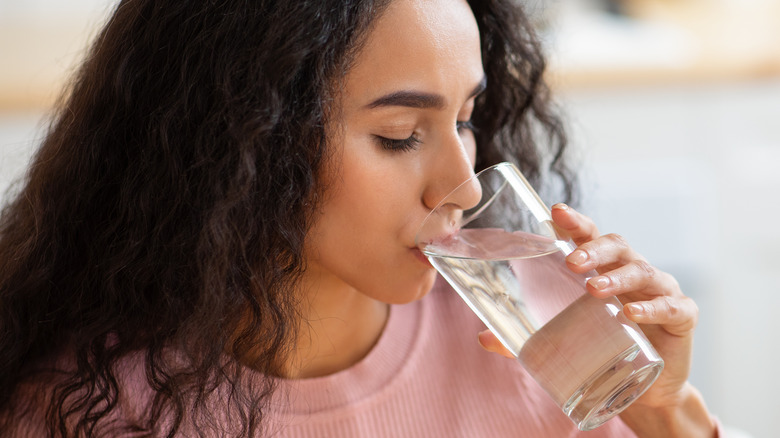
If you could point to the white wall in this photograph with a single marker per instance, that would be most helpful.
(18, 135)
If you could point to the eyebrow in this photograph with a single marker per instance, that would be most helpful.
(417, 99)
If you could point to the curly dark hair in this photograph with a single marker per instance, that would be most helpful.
(167, 207)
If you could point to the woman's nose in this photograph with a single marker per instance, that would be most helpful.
(451, 179)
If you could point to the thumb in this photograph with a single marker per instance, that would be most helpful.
(490, 342)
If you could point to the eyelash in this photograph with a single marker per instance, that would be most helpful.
(412, 141)
(468, 124)
(402, 145)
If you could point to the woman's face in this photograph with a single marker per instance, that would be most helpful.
(400, 142)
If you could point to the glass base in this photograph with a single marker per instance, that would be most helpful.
(612, 388)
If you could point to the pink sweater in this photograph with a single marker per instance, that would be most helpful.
(426, 377)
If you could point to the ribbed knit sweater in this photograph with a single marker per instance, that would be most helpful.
(427, 376)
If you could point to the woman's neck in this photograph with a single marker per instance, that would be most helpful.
(339, 326)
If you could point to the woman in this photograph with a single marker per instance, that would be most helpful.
(209, 240)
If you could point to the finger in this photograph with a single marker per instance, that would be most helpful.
(635, 276)
(577, 226)
(677, 315)
(490, 342)
(603, 253)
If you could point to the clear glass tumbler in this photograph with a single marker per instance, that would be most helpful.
(494, 241)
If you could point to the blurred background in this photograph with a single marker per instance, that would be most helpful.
(673, 107)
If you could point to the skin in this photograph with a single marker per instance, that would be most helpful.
(420, 84)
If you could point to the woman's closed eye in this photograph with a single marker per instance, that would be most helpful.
(400, 145)
(412, 142)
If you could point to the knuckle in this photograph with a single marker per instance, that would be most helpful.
(671, 306)
(694, 311)
(674, 284)
(693, 304)
(645, 268)
(681, 312)
(617, 239)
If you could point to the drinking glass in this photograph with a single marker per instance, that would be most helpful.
(494, 241)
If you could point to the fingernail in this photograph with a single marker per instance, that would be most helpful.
(560, 206)
(635, 309)
(578, 257)
(600, 282)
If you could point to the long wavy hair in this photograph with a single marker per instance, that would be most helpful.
(167, 207)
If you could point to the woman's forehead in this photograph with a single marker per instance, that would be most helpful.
(423, 45)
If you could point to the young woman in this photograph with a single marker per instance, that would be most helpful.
(216, 238)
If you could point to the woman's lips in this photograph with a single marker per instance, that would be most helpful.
(421, 257)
